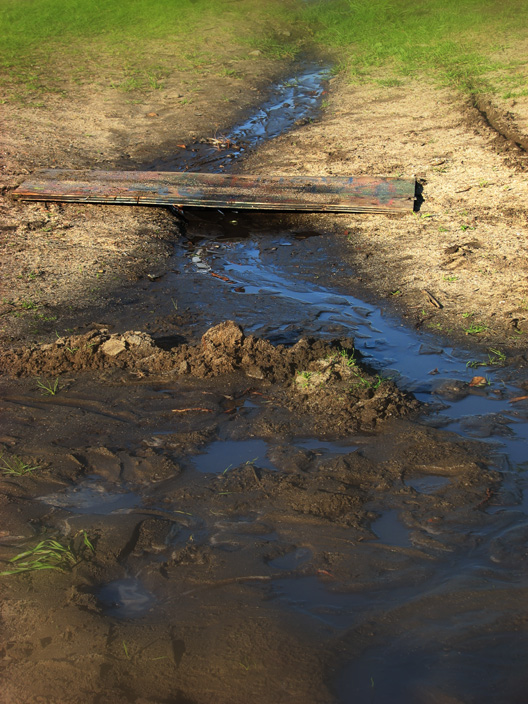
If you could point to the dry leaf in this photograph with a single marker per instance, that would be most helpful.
(222, 278)
(478, 381)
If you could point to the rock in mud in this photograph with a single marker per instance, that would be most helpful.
(452, 390)
(511, 548)
(113, 347)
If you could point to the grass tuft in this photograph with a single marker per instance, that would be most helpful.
(49, 388)
(50, 554)
(16, 467)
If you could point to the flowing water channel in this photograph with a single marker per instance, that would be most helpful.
(261, 266)
(413, 626)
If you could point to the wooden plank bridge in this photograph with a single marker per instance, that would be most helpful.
(349, 194)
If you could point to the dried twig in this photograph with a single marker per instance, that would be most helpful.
(432, 299)
(518, 398)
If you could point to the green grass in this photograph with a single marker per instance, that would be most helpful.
(16, 467)
(454, 41)
(50, 554)
(369, 383)
(475, 329)
(50, 45)
(348, 357)
(48, 388)
(132, 45)
(496, 358)
(27, 25)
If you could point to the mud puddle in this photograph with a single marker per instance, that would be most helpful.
(331, 548)
(235, 452)
(92, 496)
(473, 401)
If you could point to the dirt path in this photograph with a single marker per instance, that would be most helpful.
(44, 288)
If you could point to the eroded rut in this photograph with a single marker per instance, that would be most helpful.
(279, 508)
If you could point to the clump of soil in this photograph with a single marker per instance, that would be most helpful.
(329, 385)
(323, 379)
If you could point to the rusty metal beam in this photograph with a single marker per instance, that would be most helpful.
(351, 194)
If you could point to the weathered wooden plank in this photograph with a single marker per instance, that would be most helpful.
(323, 193)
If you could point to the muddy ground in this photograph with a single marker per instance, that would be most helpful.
(210, 581)
(266, 522)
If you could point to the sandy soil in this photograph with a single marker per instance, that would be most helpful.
(104, 128)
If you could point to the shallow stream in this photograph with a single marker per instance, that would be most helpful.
(270, 286)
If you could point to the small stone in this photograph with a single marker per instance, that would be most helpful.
(113, 347)
(256, 52)
(255, 373)
(138, 338)
(452, 390)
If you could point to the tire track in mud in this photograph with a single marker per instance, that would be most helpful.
(509, 138)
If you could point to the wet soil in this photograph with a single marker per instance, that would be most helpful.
(249, 576)
(291, 494)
